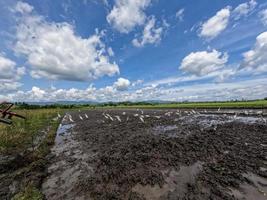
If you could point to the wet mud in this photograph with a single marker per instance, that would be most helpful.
(158, 154)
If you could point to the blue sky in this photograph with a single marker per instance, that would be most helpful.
(133, 50)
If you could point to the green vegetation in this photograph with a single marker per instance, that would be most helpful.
(29, 193)
(22, 133)
(33, 139)
(191, 105)
(216, 104)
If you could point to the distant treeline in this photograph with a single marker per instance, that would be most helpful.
(24, 105)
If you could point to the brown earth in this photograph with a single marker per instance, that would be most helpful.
(158, 154)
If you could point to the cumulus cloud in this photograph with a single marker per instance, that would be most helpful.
(247, 89)
(54, 51)
(8, 69)
(127, 14)
(216, 24)
(180, 14)
(256, 58)
(244, 9)
(137, 82)
(9, 75)
(151, 34)
(122, 84)
(23, 8)
(203, 62)
(263, 16)
(7, 87)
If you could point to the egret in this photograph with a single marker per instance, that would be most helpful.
(70, 118)
(80, 117)
(118, 118)
(86, 116)
(142, 119)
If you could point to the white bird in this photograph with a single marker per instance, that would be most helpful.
(124, 113)
(80, 117)
(110, 117)
(105, 115)
(118, 118)
(235, 115)
(142, 112)
(147, 116)
(158, 117)
(219, 109)
(127, 119)
(58, 115)
(70, 118)
(86, 116)
(246, 112)
(259, 113)
(136, 115)
(142, 119)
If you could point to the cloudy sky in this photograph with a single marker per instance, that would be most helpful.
(133, 50)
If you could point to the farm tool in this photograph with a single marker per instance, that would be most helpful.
(6, 114)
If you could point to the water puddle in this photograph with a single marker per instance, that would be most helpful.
(210, 120)
(62, 132)
(256, 190)
(175, 183)
(68, 164)
(169, 130)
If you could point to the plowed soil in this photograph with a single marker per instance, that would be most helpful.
(158, 154)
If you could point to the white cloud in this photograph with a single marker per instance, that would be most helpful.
(127, 14)
(122, 84)
(7, 87)
(218, 76)
(216, 24)
(180, 14)
(9, 71)
(248, 89)
(151, 34)
(263, 16)
(244, 9)
(54, 51)
(23, 7)
(203, 62)
(256, 58)
(9, 75)
(137, 82)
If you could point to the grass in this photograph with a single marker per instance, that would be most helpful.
(21, 134)
(20, 137)
(29, 193)
(206, 105)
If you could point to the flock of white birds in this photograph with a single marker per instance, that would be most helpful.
(141, 116)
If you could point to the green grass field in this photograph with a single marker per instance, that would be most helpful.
(21, 133)
(206, 105)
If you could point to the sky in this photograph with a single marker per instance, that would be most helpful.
(133, 50)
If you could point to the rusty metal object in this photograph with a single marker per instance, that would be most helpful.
(7, 114)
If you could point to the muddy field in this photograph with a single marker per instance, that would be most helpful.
(159, 154)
